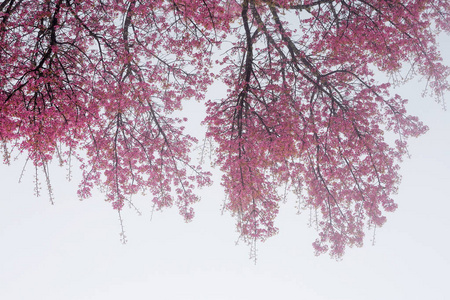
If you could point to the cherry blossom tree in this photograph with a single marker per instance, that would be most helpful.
(98, 81)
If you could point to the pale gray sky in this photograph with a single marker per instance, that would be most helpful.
(71, 250)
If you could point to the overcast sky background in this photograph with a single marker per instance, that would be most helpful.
(72, 250)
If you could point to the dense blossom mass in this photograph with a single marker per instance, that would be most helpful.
(97, 81)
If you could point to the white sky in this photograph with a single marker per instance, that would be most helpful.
(72, 250)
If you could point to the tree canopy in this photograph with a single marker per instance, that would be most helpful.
(98, 81)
